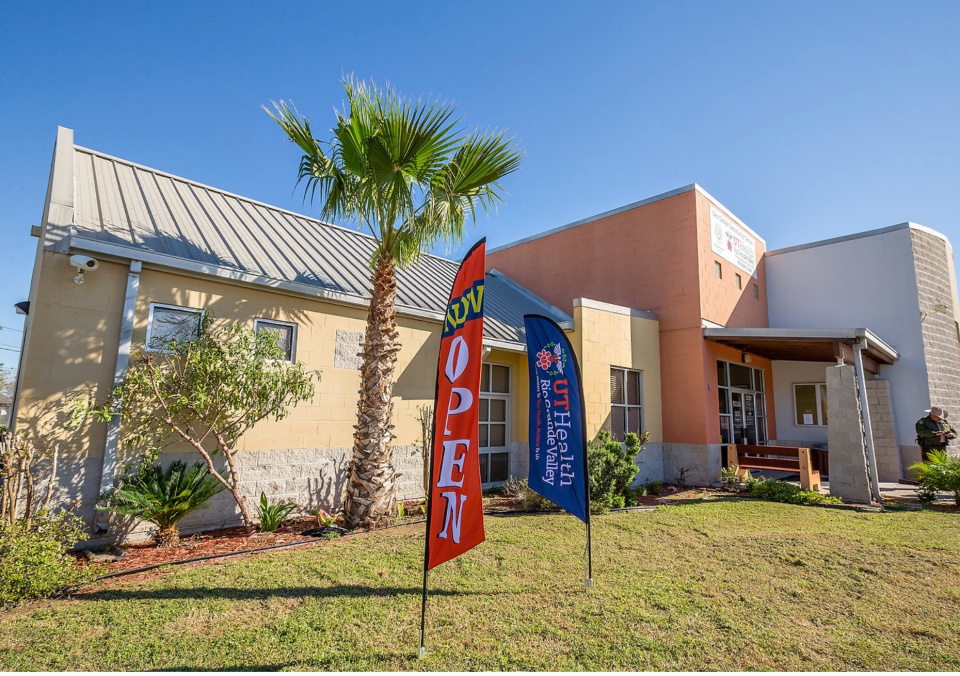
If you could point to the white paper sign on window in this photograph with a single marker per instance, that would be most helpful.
(732, 242)
(807, 418)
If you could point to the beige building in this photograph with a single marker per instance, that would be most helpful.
(128, 256)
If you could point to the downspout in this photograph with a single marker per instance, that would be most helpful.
(865, 417)
(109, 470)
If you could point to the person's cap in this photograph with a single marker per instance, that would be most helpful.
(937, 411)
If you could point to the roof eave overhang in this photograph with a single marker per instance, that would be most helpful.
(754, 339)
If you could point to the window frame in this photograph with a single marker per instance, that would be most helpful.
(627, 406)
(200, 312)
(819, 405)
(293, 340)
(505, 397)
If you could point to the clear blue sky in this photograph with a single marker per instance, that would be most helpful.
(808, 120)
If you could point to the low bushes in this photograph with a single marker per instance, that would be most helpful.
(781, 491)
(612, 470)
(33, 562)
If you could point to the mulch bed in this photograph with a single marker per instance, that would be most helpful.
(210, 543)
(235, 540)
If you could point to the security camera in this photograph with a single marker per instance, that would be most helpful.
(84, 263)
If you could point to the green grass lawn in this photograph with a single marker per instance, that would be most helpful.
(719, 585)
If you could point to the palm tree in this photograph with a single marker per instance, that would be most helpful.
(403, 170)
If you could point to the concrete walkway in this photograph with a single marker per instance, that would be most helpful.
(890, 489)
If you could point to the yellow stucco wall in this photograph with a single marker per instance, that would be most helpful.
(608, 336)
(71, 347)
(75, 332)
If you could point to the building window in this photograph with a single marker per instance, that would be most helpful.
(169, 323)
(285, 332)
(626, 402)
(717, 270)
(739, 281)
(494, 423)
(756, 291)
(810, 404)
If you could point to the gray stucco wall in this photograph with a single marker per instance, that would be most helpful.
(873, 280)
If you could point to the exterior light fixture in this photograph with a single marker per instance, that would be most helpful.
(746, 358)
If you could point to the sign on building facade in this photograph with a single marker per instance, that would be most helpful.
(732, 242)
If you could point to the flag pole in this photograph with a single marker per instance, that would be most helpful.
(423, 614)
(426, 535)
(586, 473)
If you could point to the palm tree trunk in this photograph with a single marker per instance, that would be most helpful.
(371, 491)
(168, 536)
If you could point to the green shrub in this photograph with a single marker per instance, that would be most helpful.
(612, 469)
(272, 514)
(730, 479)
(781, 491)
(654, 487)
(33, 560)
(941, 472)
(163, 496)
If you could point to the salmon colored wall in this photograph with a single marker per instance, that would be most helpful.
(720, 300)
(644, 258)
(655, 257)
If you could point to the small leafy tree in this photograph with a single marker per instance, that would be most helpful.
(612, 469)
(23, 466)
(208, 392)
(163, 496)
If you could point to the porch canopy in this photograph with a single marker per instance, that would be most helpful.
(822, 345)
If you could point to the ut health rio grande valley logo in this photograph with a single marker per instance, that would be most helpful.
(552, 359)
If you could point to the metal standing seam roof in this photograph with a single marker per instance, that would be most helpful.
(128, 210)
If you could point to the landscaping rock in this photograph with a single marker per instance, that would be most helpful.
(115, 554)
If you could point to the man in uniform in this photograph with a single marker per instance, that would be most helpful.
(934, 432)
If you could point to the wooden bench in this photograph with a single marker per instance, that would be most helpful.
(776, 459)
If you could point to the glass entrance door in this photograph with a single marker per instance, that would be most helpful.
(744, 408)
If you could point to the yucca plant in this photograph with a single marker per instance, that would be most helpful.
(272, 514)
(163, 496)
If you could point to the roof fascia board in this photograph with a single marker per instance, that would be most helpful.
(799, 334)
(590, 219)
(614, 309)
(907, 225)
(58, 214)
(194, 269)
(504, 345)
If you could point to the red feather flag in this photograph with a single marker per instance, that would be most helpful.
(455, 501)
(455, 522)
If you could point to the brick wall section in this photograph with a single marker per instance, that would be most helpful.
(931, 259)
(848, 465)
(882, 422)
